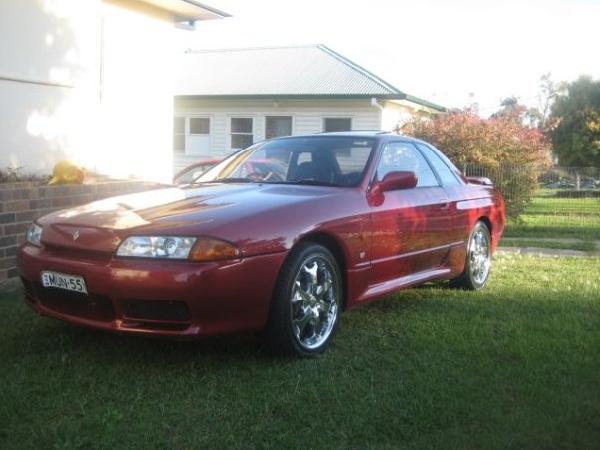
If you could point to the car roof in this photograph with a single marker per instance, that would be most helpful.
(381, 135)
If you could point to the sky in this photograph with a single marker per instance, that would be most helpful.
(453, 53)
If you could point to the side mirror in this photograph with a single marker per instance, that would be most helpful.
(397, 180)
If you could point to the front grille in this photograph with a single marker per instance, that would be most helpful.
(167, 310)
(77, 253)
(92, 306)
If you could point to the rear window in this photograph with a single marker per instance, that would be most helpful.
(448, 173)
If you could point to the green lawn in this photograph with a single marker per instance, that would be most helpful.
(548, 216)
(514, 366)
(584, 245)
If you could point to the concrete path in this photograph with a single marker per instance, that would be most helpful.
(540, 251)
(545, 239)
(543, 251)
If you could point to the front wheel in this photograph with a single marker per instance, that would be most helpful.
(478, 260)
(306, 303)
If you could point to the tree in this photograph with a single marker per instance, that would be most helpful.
(539, 117)
(505, 150)
(576, 137)
(511, 109)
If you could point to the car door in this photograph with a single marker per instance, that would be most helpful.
(409, 227)
(449, 177)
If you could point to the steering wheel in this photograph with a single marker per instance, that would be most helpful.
(258, 176)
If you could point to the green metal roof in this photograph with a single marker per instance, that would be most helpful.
(299, 72)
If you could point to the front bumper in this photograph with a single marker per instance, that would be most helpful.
(184, 298)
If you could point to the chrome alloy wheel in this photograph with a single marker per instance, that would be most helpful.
(479, 256)
(314, 305)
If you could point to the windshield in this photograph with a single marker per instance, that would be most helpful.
(324, 160)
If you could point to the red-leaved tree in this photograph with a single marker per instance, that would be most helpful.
(501, 147)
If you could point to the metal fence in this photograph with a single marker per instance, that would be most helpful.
(557, 202)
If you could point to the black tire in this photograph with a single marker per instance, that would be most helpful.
(468, 280)
(280, 335)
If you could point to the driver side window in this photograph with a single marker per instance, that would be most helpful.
(402, 156)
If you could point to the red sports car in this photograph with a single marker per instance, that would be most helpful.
(357, 216)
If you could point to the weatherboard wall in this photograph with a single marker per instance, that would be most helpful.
(307, 117)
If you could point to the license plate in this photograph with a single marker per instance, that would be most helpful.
(64, 281)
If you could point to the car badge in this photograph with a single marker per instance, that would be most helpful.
(76, 235)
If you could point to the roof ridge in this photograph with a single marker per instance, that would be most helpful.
(360, 69)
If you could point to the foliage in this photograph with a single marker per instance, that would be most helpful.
(506, 151)
(16, 174)
(540, 116)
(576, 138)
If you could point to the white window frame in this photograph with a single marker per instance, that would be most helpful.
(230, 133)
(187, 132)
(324, 118)
(184, 134)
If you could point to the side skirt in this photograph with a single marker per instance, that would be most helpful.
(377, 290)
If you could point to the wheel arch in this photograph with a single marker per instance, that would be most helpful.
(332, 244)
(486, 220)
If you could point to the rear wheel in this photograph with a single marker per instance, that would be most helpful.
(306, 302)
(478, 260)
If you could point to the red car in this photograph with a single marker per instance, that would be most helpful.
(358, 216)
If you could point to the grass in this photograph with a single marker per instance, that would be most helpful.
(584, 245)
(555, 227)
(548, 216)
(514, 366)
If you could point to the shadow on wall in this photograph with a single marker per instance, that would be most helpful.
(47, 55)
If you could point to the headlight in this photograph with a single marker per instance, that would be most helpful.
(156, 247)
(34, 234)
(197, 249)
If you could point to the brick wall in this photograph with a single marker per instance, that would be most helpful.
(20, 203)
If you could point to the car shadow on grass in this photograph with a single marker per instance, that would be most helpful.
(47, 334)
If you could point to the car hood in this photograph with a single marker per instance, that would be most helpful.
(228, 211)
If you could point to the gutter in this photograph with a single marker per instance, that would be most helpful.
(380, 107)
(420, 101)
(376, 104)
(216, 11)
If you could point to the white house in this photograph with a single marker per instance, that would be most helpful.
(92, 81)
(228, 99)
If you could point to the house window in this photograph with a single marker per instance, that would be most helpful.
(179, 134)
(241, 132)
(277, 126)
(197, 141)
(191, 135)
(199, 125)
(331, 124)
